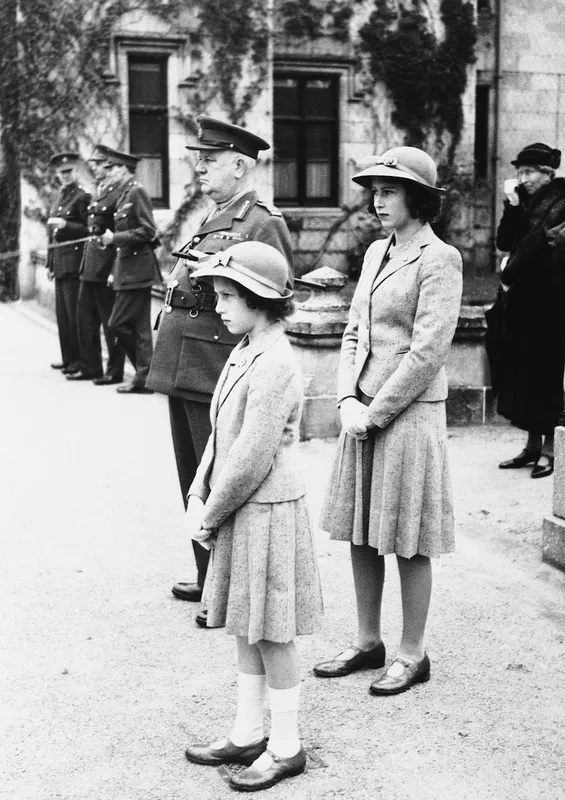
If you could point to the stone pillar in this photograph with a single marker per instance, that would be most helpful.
(553, 538)
(315, 332)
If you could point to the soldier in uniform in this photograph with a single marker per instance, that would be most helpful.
(135, 268)
(96, 297)
(192, 343)
(67, 223)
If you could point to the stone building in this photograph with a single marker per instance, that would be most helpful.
(309, 82)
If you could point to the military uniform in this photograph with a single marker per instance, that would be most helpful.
(64, 264)
(135, 271)
(96, 298)
(193, 344)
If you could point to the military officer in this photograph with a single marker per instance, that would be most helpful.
(192, 343)
(67, 223)
(96, 297)
(135, 268)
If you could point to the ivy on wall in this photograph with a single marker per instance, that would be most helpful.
(425, 78)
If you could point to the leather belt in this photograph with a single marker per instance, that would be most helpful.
(193, 300)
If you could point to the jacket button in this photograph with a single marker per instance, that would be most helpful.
(196, 240)
(117, 249)
(135, 252)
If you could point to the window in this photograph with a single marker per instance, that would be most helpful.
(306, 139)
(149, 124)
(482, 114)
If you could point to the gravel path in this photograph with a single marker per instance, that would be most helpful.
(106, 678)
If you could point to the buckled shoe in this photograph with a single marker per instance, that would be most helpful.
(363, 659)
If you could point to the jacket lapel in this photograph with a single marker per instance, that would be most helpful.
(243, 356)
(422, 238)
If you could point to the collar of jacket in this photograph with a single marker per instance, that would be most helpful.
(422, 238)
(237, 211)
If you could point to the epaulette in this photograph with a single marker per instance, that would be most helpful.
(273, 210)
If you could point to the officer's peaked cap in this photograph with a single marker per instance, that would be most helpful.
(64, 161)
(117, 157)
(215, 134)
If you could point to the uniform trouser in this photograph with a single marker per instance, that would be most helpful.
(95, 301)
(190, 427)
(66, 301)
(130, 322)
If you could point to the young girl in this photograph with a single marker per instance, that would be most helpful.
(390, 490)
(248, 500)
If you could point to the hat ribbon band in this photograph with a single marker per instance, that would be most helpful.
(228, 261)
(392, 163)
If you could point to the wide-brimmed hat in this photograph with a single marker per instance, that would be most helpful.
(215, 134)
(538, 154)
(400, 163)
(259, 267)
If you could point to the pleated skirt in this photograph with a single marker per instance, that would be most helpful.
(263, 580)
(393, 490)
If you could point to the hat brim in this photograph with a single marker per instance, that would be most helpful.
(365, 178)
(253, 285)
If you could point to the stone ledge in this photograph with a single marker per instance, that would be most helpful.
(553, 542)
(472, 405)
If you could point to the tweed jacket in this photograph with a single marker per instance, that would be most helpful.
(400, 327)
(251, 455)
(192, 346)
(71, 204)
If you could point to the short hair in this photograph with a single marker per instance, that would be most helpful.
(276, 309)
(542, 168)
(422, 203)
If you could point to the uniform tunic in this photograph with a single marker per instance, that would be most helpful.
(64, 264)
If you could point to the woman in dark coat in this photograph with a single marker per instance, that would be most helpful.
(530, 382)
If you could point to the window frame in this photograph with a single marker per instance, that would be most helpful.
(301, 122)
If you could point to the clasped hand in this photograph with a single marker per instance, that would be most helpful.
(354, 418)
(57, 222)
(194, 515)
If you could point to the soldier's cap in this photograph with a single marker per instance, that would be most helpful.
(215, 134)
(255, 265)
(112, 157)
(538, 154)
(97, 155)
(64, 161)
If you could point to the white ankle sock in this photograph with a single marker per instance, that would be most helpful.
(284, 740)
(248, 725)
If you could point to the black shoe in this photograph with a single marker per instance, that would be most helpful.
(107, 380)
(544, 469)
(253, 780)
(187, 591)
(201, 618)
(59, 365)
(521, 460)
(72, 369)
(414, 672)
(81, 376)
(230, 753)
(133, 388)
(336, 668)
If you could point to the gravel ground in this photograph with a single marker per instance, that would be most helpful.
(106, 678)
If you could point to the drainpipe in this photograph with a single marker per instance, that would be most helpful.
(495, 135)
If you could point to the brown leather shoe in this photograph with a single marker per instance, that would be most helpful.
(230, 753)
(363, 659)
(414, 672)
(187, 591)
(253, 780)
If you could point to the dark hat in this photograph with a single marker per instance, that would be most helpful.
(538, 154)
(97, 155)
(214, 134)
(112, 156)
(65, 161)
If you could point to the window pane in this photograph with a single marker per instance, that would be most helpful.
(147, 133)
(318, 180)
(149, 173)
(318, 99)
(286, 180)
(146, 83)
(286, 97)
(286, 141)
(318, 142)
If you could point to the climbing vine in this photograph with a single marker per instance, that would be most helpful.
(425, 77)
